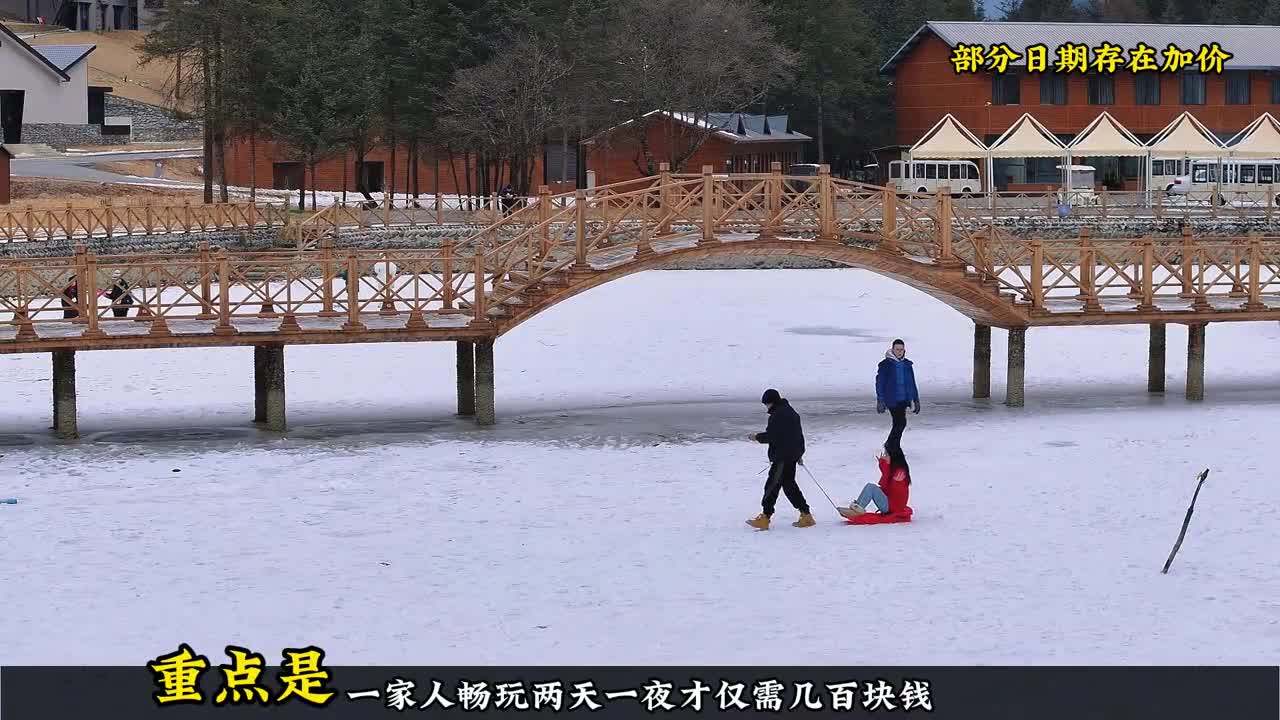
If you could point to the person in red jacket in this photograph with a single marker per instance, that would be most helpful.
(894, 490)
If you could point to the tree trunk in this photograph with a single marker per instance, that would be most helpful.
(822, 125)
(564, 154)
(220, 157)
(391, 188)
(220, 129)
(466, 174)
(345, 164)
(671, 147)
(415, 179)
(647, 154)
(253, 164)
(314, 162)
(361, 151)
(207, 81)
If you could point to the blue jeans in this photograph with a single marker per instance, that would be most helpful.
(870, 493)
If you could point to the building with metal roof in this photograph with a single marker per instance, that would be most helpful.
(44, 91)
(928, 86)
(1255, 47)
(728, 142)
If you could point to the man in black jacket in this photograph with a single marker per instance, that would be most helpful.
(786, 449)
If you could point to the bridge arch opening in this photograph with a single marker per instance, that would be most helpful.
(952, 287)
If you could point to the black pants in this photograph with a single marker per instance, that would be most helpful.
(782, 476)
(899, 413)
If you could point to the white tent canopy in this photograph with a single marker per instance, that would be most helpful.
(1027, 138)
(1260, 139)
(1106, 137)
(1186, 137)
(948, 139)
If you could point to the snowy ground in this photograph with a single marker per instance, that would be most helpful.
(601, 522)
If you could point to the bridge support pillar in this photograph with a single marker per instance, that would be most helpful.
(1156, 358)
(484, 383)
(268, 386)
(1013, 392)
(466, 378)
(64, 395)
(1195, 361)
(981, 361)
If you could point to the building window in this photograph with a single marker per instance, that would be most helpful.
(1102, 90)
(1005, 90)
(1237, 87)
(1146, 88)
(1053, 89)
(1192, 89)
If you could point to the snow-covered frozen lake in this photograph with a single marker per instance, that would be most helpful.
(601, 521)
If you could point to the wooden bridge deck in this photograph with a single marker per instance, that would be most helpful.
(488, 282)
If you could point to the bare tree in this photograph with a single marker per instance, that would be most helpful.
(505, 107)
(686, 60)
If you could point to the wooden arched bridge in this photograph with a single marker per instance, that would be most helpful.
(476, 287)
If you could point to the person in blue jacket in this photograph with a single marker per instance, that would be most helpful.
(896, 390)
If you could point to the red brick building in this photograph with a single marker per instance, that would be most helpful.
(738, 142)
(927, 86)
(5, 157)
(278, 167)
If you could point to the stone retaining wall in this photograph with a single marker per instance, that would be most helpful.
(62, 137)
(257, 240)
(151, 123)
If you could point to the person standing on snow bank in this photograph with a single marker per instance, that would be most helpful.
(894, 490)
(895, 390)
(785, 438)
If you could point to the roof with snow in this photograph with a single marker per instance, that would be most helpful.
(1254, 47)
(735, 127)
(64, 57)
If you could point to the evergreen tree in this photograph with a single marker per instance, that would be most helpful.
(310, 116)
(834, 62)
(188, 33)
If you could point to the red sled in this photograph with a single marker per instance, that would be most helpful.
(875, 518)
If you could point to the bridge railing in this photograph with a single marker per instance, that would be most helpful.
(226, 293)
(217, 292)
(31, 224)
(1134, 273)
(749, 201)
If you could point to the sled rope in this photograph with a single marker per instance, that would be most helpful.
(824, 492)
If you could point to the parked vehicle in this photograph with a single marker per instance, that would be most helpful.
(927, 176)
(1252, 177)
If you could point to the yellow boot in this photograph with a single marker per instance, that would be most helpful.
(759, 522)
(806, 520)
